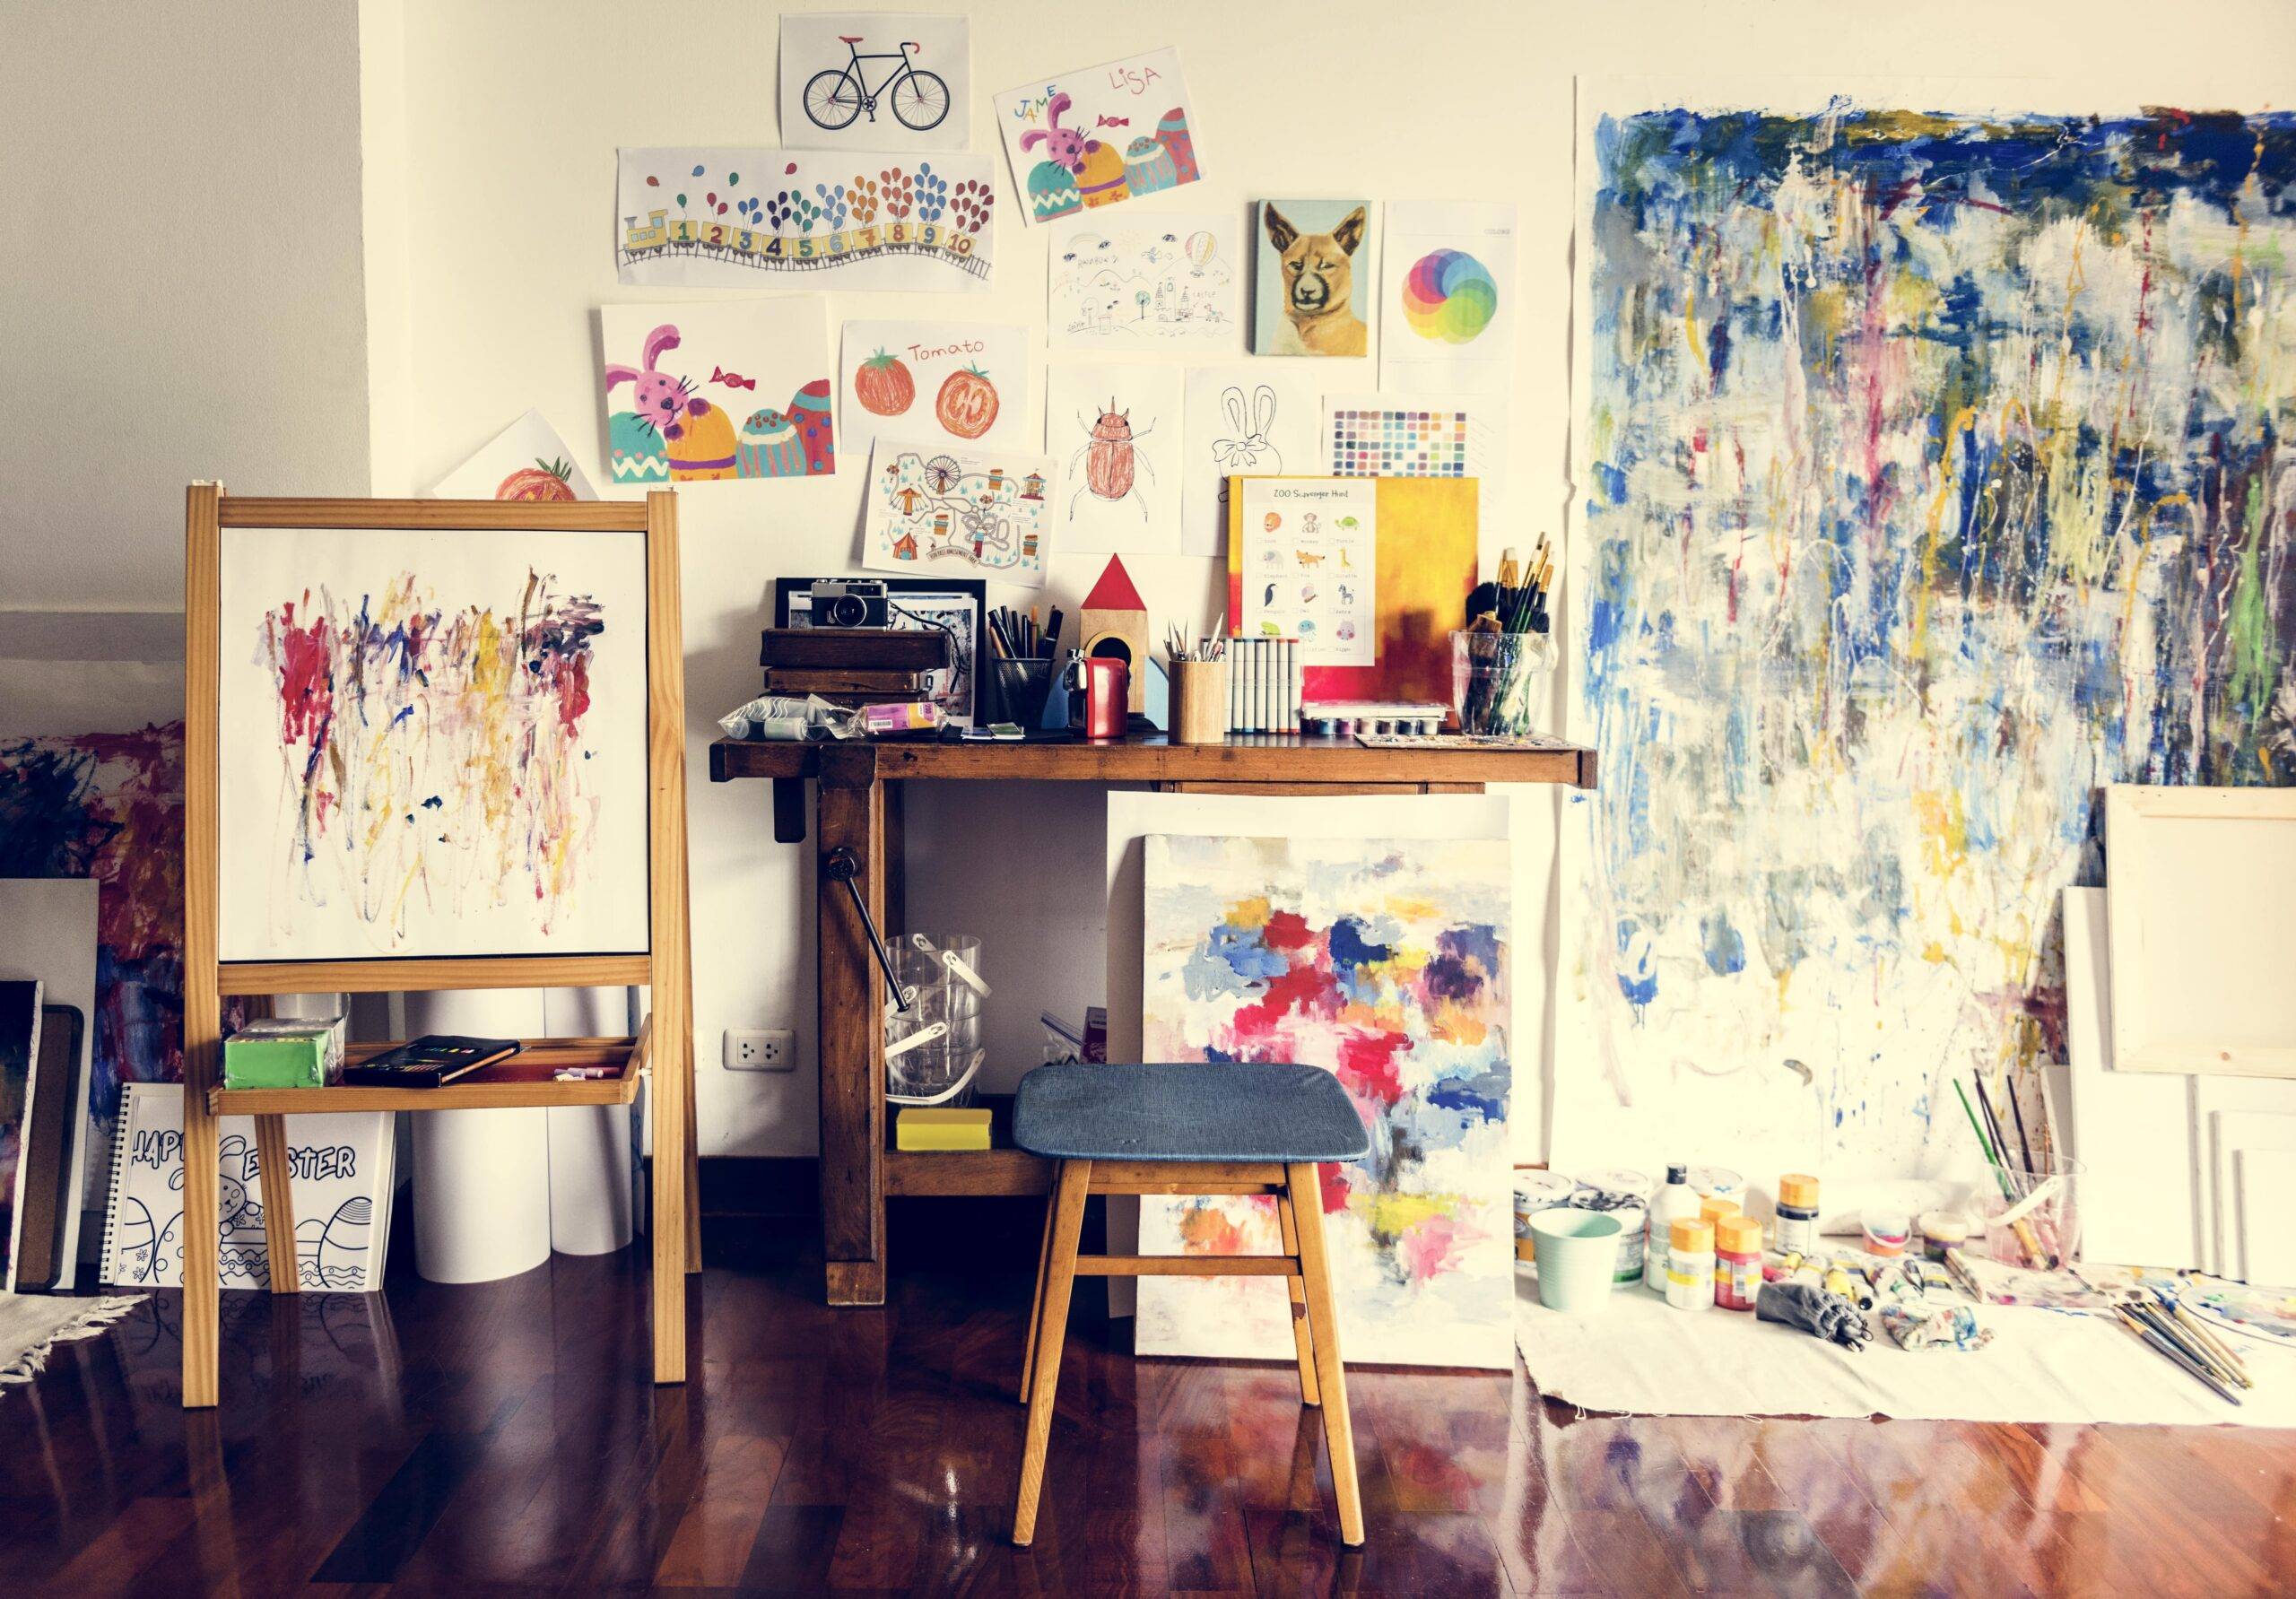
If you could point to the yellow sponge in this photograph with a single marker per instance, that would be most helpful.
(930, 1127)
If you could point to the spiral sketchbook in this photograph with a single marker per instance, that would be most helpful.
(342, 1165)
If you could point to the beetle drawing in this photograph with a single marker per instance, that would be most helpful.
(1111, 461)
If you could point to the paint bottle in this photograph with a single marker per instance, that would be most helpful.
(1676, 1198)
(1941, 1231)
(1716, 1182)
(1536, 1191)
(1689, 1264)
(1737, 1262)
(1886, 1233)
(1797, 1211)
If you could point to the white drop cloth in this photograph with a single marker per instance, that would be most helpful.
(1640, 1357)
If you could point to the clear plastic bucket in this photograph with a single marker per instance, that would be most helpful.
(942, 978)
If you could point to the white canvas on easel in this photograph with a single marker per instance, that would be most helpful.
(2266, 1182)
(48, 931)
(2231, 1133)
(2204, 929)
(2132, 1134)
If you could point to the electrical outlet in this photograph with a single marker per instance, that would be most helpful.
(760, 1049)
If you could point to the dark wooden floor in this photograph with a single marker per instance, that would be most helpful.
(502, 1436)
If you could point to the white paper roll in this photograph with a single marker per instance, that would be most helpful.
(481, 1177)
(589, 1144)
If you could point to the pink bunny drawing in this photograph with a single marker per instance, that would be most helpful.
(1067, 145)
(661, 399)
(1248, 453)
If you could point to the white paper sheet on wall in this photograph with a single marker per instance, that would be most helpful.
(1447, 297)
(875, 79)
(1141, 283)
(1114, 431)
(1101, 135)
(702, 216)
(527, 460)
(1310, 567)
(959, 383)
(1255, 420)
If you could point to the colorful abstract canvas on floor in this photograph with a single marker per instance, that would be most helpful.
(110, 805)
(1933, 475)
(432, 745)
(1386, 963)
(718, 393)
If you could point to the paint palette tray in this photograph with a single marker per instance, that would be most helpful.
(610, 1068)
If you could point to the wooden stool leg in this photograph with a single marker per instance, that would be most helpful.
(278, 1204)
(1310, 1395)
(1036, 1305)
(1323, 1327)
(1060, 1276)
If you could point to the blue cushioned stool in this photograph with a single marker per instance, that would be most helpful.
(1188, 1129)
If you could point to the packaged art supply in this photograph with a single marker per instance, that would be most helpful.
(1886, 1234)
(1676, 1197)
(1624, 1192)
(1689, 1264)
(1737, 1262)
(1718, 1182)
(284, 1052)
(1797, 1211)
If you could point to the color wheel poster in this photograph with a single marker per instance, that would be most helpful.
(1448, 310)
(1309, 566)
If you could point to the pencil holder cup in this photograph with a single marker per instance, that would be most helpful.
(2033, 1218)
(1497, 679)
(1024, 686)
(1577, 1250)
(1199, 702)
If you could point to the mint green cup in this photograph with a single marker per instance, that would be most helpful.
(1578, 1252)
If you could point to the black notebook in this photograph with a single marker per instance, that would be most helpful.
(432, 1061)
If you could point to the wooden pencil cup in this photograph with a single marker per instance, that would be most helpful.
(1199, 702)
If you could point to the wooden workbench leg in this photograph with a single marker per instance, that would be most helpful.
(850, 815)
(671, 1088)
(203, 1002)
(278, 1202)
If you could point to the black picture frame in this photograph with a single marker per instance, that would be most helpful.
(967, 700)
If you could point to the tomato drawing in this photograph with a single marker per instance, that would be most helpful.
(544, 480)
(967, 404)
(883, 383)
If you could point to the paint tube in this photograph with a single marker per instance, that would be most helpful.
(785, 719)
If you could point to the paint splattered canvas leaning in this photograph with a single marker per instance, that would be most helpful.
(1931, 475)
(432, 745)
(1386, 963)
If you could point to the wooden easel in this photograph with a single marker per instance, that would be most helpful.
(663, 1045)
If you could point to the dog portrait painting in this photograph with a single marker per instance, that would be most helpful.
(1315, 279)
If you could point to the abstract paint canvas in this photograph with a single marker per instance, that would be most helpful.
(698, 394)
(110, 807)
(1115, 429)
(1385, 962)
(432, 744)
(1100, 137)
(695, 217)
(1931, 477)
(1312, 284)
(963, 513)
(1139, 284)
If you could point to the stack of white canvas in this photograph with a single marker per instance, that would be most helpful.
(2181, 1033)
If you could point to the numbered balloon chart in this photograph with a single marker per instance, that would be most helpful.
(855, 219)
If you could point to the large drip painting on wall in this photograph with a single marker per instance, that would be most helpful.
(1930, 476)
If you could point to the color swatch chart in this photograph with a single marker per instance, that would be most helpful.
(1387, 442)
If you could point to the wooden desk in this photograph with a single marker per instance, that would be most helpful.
(857, 808)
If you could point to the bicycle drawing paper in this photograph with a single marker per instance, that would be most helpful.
(875, 79)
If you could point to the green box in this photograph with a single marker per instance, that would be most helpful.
(283, 1052)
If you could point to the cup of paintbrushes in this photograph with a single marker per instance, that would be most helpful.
(1496, 681)
(2035, 1220)
(1199, 702)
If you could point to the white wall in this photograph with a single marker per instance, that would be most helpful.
(512, 116)
(179, 194)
